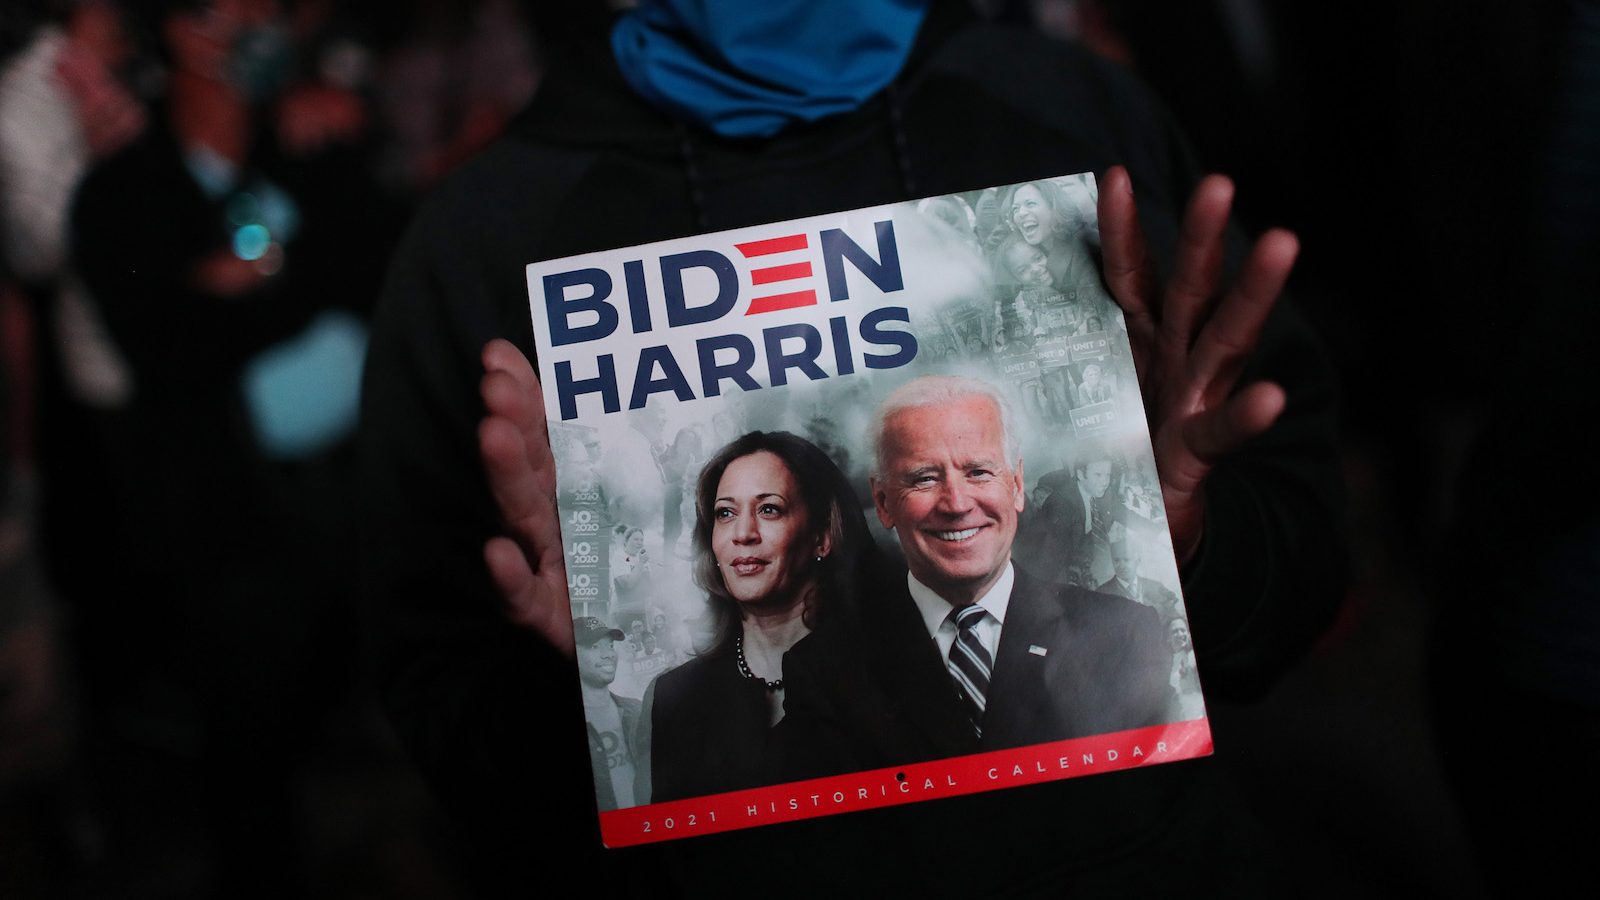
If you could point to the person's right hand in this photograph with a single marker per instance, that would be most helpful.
(526, 562)
(1191, 337)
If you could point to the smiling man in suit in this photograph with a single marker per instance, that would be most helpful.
(968, 651)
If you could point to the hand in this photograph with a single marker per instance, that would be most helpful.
(1190, 340)
(525, 563)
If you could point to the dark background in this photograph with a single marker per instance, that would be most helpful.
(1430, 158)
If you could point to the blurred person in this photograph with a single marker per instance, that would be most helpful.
(61, 108)
(64, 107)
(1127, 582)
(232, 251)
(636, 470)
(992, 226)
(1077, 516)
(614, 752)
(449, 83)
(632, 571)
(1025, 267)
(1042, 216)
(1184, 677)
(680, 463)
(954, 217)
(607, 155)
(1092, 389)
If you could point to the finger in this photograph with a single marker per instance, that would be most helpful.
(506, 400)
(1228, 338)
(511, 390)
(531, 601)
(502, 355)
(1198, 267)
(528, 510)
(1129, 273)
(1212, 435)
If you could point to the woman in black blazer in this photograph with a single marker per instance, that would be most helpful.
(779, 541)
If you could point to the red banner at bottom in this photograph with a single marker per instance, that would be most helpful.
(906, 784)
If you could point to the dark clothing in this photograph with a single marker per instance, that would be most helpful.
(187, 456)
(202, 572)
(1062, 518)
(629, 710)
(487, 709)
(877, 693)
(708, 729)
(1151, 593)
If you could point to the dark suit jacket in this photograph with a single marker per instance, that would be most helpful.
(705, 729)
(605, 795)
(875, 692)
(1058, 542)
(1155, 594)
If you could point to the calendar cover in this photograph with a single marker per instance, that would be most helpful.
(859, 510)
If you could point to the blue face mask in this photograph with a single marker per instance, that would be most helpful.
(751, 69)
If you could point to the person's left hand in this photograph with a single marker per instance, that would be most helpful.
(1191, 338)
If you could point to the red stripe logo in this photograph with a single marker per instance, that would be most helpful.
(790, 272)
(783, 272)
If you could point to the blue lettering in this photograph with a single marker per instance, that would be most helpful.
(840, 329)
(568, 390)
(678, 310)
(646, 382)
(559, 307)
(638, 300)
(712, 373)
(883, 337)
(805, 359)
(883, 272)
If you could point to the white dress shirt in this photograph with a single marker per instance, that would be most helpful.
(935, 612)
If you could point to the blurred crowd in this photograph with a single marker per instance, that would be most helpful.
(198, 199)
(197, 203)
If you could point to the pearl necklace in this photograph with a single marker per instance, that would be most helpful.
(744, 667)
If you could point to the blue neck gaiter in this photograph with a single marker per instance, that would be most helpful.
(746, 69)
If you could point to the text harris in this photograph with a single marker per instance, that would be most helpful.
(622, 331)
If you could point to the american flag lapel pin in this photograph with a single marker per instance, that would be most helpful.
(1037, 650)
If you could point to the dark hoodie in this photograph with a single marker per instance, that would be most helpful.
(492, 715)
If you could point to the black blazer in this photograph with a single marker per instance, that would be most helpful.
(875, 692)
(707, 729)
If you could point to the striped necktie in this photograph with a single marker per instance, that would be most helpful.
(970, 664)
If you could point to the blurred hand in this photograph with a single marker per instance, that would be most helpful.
(312, 116)
(1191, 339)
(526, 562)
(107, 112)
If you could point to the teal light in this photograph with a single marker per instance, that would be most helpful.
(251, 241)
